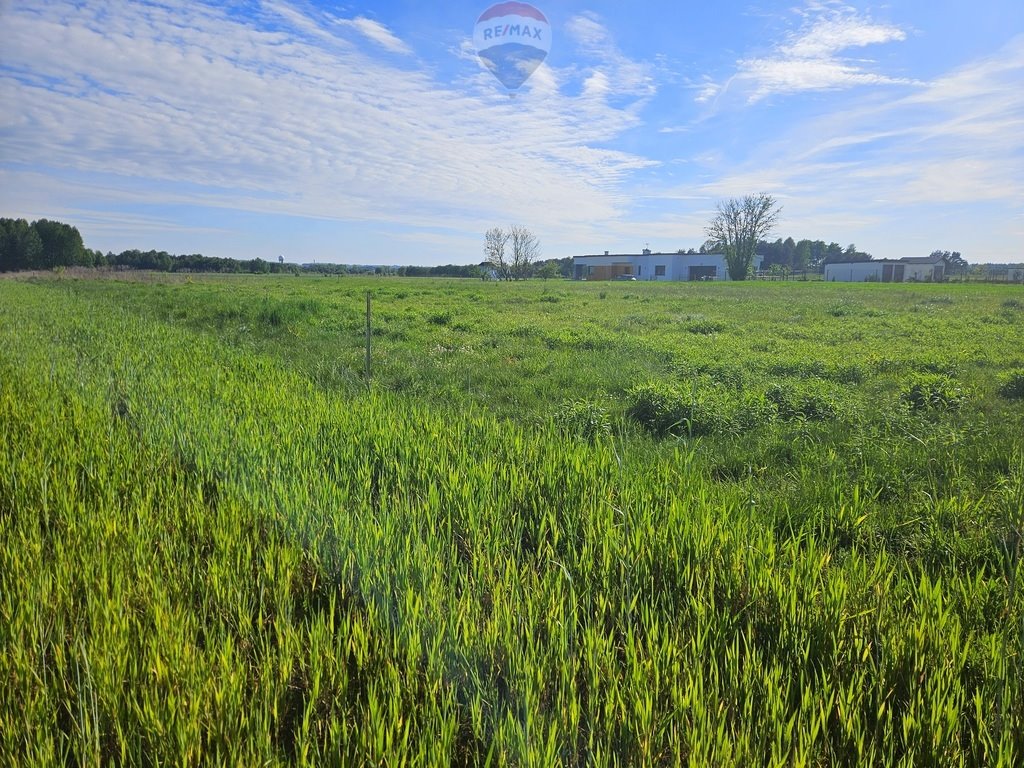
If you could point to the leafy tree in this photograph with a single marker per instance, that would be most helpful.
(955, 262)
(835, 255)
(62, 244)
(802, 255)
(548, 270)
(495, 242)
(737, 228)
(511, 252)
(788, 252)
(525, 249)
(20, 246)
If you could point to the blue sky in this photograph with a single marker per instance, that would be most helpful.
(371, 133)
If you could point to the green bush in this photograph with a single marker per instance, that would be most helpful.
(583, 418)
(277, 313)
(934, 392)
(441, 318)
(665, 409)
(705, 327)
(752, 410)
(1011, 385)
(806, 399)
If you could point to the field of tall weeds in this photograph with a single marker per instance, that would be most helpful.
(563, 524)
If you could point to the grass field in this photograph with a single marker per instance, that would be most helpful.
(576, 524)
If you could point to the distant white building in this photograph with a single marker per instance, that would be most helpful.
(653, 266)
(924, 269)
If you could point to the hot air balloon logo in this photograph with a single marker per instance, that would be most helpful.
(512, 39)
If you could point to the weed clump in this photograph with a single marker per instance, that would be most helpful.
(691, 411)
(584, 419)
(843, 309)
(934, 392)
(277, 313)
(806, 399)
(1011, 385)
(440, 318)
(705, 327)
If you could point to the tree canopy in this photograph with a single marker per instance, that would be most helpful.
(738, 227)
(42, 244)
(510, 253)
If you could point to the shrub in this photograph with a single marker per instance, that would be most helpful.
(705, 327)
(583, 418)
(664, 409)
(934, 391)
(277, 313)
(1011, 385)
(808, 399)
(725, 374)
(843, 309)
(752, 410)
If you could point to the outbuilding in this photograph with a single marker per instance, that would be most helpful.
(911, 269)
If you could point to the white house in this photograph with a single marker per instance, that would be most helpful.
(653, 266)
(924, 269)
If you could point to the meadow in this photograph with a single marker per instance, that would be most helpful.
(562, 523)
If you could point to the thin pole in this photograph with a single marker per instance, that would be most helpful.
(367, 337)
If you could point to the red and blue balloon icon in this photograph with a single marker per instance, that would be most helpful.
(512, 40)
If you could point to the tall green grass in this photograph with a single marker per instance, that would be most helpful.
(208, 555)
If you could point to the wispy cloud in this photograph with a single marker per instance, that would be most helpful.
(812, 58)
(622, 74)
(377, 33)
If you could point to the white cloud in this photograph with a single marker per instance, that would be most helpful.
(786, 75)
(590, 34)
(376, 32)
(826, 37)
(811, 58)
(623, 74)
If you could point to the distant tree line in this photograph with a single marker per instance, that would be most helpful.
(807, 254)
(161, 261)
(45, 244)
(445, 270)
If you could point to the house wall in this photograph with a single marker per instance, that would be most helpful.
(855, 272)
(644, 266)
(861, 271)
(923, 273)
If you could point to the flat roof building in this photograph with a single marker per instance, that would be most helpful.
(653, 266)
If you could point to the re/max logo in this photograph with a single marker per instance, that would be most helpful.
(513, 30)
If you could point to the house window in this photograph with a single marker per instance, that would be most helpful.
(639, 267)
(659, 270)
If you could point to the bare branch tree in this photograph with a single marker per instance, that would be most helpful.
(738, 226)
(495, 240)
(525, 250)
